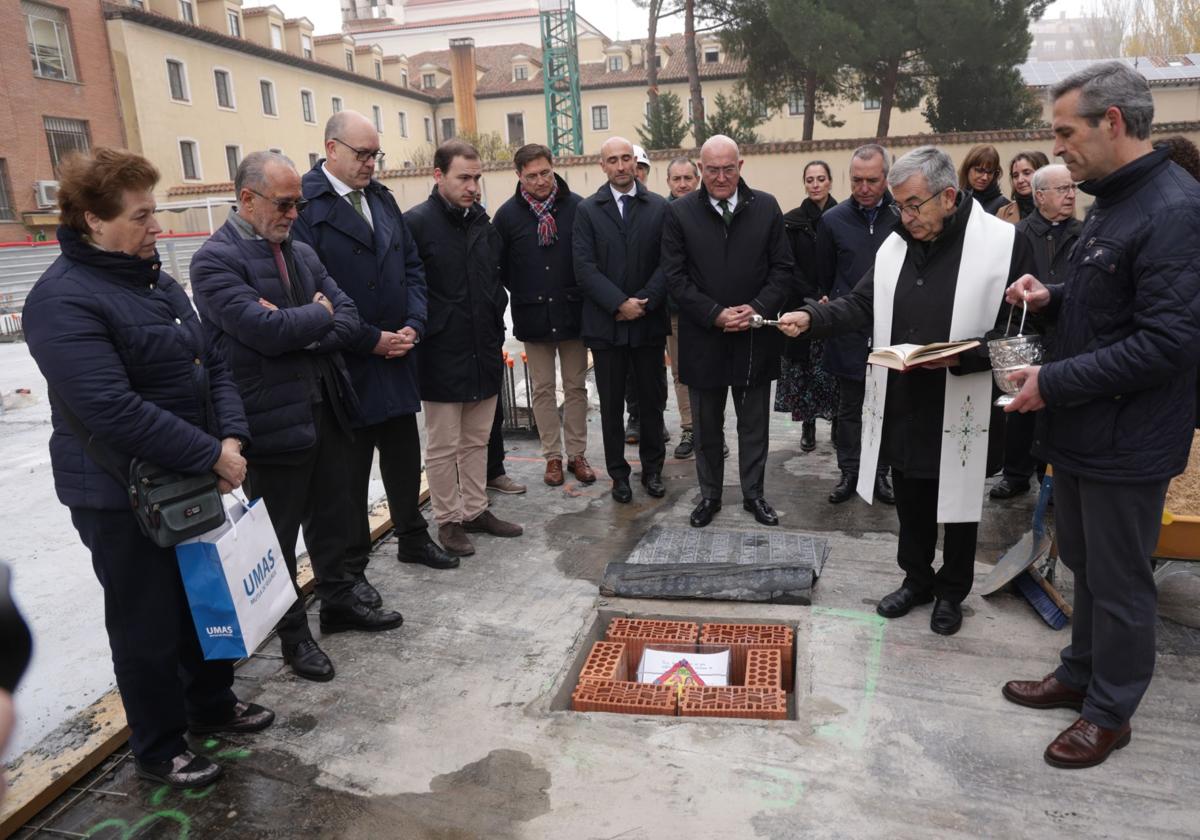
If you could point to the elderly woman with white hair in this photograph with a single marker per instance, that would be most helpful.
(929, 423)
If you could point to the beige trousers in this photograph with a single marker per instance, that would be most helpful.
(456, 439)
(572, 358)
(681, 390)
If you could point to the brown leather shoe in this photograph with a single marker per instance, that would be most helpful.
(1046, 693)
(1084, 744)
(554, 473)
(487, 523)
(582, 469)
(454, 539)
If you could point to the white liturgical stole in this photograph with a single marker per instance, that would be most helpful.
(982, 277)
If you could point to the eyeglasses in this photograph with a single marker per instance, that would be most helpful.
(284, 205)
(727, 171)
(362, 155)
(983, 170)
(911, 209)
(1065, 189)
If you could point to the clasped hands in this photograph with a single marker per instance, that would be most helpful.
(393, 345)
(735, 318)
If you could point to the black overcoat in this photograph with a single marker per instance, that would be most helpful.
(616, 259)
(459, 358)
(708, 267)
(547, 304)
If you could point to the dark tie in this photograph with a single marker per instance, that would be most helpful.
(726, 213)
(625, 199)
(281, 264)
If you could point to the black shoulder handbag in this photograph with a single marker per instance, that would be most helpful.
(169, 506)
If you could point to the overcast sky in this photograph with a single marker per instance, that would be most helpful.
(619, 19)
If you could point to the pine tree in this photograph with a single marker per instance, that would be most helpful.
(736, 118)
(665, 126)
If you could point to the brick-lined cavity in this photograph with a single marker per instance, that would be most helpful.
(763, 669)
(742, 638)
(733, 701)
(606, 662)
(636, 632)
(629, 698)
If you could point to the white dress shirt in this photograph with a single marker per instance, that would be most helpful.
(344, 191)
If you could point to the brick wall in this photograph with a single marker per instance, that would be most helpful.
(26, 98)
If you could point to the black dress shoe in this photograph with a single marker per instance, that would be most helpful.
(185, 771)
(1007, 488)
(896, 604)
(308, 661)
(246, 717)
(654, 486)
(358, 617)
(621, 491)
(430, 554)
(845, 488)
(946, 618)
(704, 512)
(762, 511)
(808, 436)
(367, 594)
(883, 490)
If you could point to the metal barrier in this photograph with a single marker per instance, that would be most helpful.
(22, 265)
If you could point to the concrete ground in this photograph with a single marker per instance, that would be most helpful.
(455, 726)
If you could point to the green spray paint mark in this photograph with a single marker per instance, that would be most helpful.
(127, 831)
(854, 733)
(235, 753)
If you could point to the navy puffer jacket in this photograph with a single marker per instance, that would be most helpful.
(1120, 398)
(276, 355)
(119, 342)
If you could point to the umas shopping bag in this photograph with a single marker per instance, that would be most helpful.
(236, 580)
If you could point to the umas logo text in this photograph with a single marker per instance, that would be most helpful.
(224, 630)
(260, 574)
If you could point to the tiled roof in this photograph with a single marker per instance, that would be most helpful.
(423, 24)
(496, 66)
(212, 36)
(255, 11)
(330, 39)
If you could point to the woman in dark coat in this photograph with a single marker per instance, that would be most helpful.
(122, 349)
(979, 178)
(805, 389)
(1020, 175)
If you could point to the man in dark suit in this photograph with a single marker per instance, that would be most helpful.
(726, 258)
(281, 324)
(356, 228)
(625, 322)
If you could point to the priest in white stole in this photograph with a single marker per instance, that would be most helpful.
(941, 276)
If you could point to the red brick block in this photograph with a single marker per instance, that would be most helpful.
(763, 668)
(628, 698)
(742, 638)
(734, 701)
(636, 632)
(606, 662)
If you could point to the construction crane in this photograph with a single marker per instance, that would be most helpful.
(560, 77)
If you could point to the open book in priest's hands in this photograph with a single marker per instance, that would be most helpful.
(906, 356)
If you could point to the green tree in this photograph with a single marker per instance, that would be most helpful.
(490, 144)
(981, 98)
(735, 117)
(665, 126)
(790, 47)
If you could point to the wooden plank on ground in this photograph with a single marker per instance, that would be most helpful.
(37, 777)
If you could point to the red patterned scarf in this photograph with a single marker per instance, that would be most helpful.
(547, 227)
